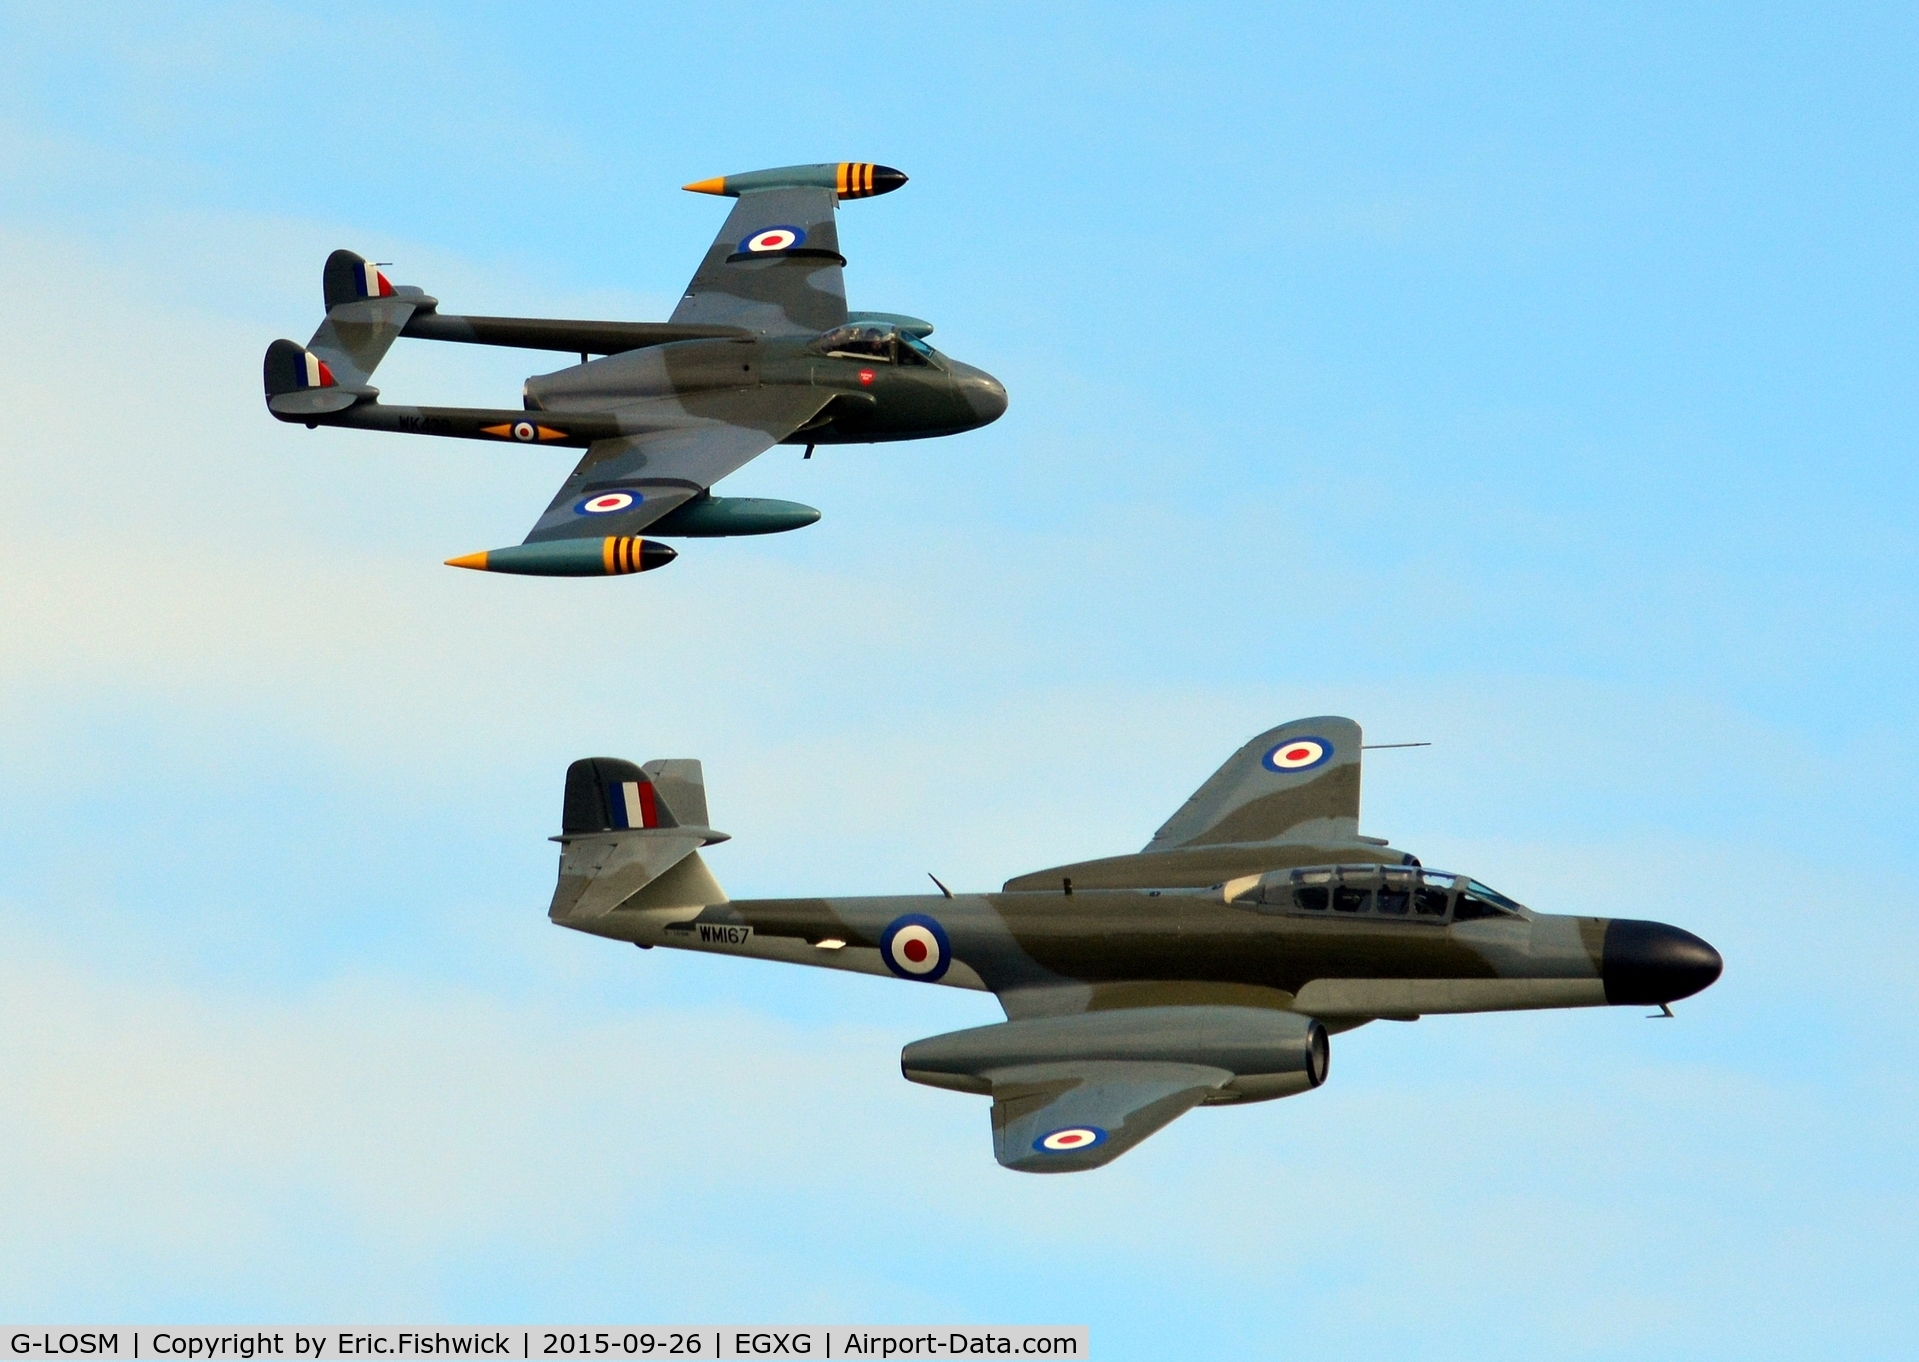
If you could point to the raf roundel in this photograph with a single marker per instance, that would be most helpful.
(915, 947)
(525, 430)
(605, 503)
(773, 239)
(1298, 754)
(1070, 1140)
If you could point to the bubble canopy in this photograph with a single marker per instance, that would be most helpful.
(886, 343)
(1399, 892)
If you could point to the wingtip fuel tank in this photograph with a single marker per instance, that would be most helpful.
(616, 556)
(847, 179)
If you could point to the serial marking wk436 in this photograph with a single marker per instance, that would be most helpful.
(760, 351)
(1208, 968)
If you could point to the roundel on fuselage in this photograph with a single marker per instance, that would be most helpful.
(914, 946)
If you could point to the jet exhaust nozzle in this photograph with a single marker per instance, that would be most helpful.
(616, 556)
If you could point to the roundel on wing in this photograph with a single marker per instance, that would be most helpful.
(1069, 1139)
(914, 946)
(1298, 754)
(605, 503)
(782, 238)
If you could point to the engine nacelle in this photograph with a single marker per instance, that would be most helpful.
(1270, 1053)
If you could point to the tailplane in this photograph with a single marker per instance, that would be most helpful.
(366, 311)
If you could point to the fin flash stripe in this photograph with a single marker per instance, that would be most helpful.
(371, 282)
(632, 804)
(314, 372)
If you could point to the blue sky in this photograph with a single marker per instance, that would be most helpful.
(1537, 384)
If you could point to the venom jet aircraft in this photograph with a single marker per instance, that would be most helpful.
(760, 351)
(1206, 969)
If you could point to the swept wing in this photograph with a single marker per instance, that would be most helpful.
(1293, 787)
(627, 483)
(775, 267)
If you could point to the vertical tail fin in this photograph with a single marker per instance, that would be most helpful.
(299, 383)
(348, 278)
(366, 312)
(628, 829)
(605, 794)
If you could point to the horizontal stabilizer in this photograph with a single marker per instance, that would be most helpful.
(366, 312)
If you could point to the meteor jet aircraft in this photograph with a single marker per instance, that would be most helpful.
(1208, 968)
(760, 351)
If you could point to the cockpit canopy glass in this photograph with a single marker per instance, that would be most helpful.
(1479, 901)
(1394, 892)
(864, 341)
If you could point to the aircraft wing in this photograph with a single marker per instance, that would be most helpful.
(1294, 785)
(1065, 1117)
(774, 269)
(626, 483)
(1298, 781)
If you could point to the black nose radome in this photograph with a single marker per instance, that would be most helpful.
(1649, 962)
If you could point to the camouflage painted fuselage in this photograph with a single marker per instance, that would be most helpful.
(1053, 953)
(864, 399)
(1207, 968)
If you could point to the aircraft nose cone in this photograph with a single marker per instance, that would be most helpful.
(983, 394)
(989, 398)
(1649, 962)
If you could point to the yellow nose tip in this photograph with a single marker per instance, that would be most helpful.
(476, 561)
(716, 185)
